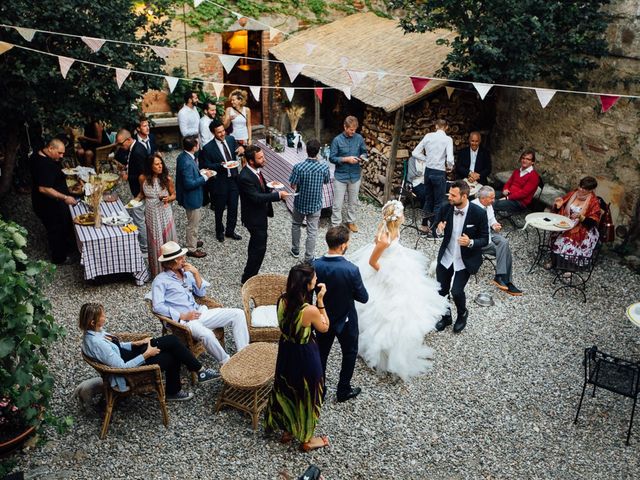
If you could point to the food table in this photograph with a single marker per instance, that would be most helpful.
(546, 224)
(108, 249)
(279, 165)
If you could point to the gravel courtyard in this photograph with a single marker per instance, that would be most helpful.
(498, 403)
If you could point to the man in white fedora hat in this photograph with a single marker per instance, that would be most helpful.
(172, 294)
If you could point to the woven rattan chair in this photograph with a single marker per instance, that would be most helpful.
(140, 380)
(262, 290)
(184, 334)
(103, 162)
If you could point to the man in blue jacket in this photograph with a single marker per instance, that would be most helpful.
(189, 192)
(344, 288)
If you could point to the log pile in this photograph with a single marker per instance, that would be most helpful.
(461, 111)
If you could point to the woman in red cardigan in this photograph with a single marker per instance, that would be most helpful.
(583, 208)
(519, 190)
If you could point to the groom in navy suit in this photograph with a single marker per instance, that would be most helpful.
(466, 233)
(344, 288)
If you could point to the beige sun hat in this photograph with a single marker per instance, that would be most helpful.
(171, 251)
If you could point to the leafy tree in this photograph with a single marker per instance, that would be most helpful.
(513, 40)
(33, 90)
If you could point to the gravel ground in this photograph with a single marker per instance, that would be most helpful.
(499, 402)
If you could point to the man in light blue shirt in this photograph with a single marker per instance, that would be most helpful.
(347, 151)
(172, 295)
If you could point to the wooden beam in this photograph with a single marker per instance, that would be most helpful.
(391, 166)
(316, 116)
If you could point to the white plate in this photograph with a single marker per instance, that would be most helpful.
(133, 203)
(70, 171)
(275, 185)
(231, 165)
(203, 171)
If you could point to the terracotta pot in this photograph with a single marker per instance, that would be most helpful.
(12, 444)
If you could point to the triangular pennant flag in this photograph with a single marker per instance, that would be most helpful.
(356, 77)
(228, 61)
(449, 91)
(483, 89)
(319, 92)
(172, 82)
(293, 70)
(381, 74)
(4, 46)
(310, 47)
(65, 65)
(93, 43)
(544, 96)
(289, 91)
(162, 52)
(255, 91)
(347, 92)
(218, 88)
(27, 33)
(344, 61)
(273, 32)
(121, 76)
(238, 15)
(608, 101)
(419, 83)
(196, 3)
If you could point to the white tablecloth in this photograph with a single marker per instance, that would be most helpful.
(108, 249)
(548, 221)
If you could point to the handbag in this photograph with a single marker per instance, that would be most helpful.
(229, 129)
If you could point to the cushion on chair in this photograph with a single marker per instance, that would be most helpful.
(264, 316)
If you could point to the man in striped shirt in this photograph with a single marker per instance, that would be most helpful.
(307, 179)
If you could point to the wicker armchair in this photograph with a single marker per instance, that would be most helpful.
(104, 163)
(184, 334)
(141, 380)
(261, 290)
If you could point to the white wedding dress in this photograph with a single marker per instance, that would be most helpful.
(404, 305)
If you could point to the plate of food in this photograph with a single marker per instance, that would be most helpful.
(562, 224)
(275, 185)
(133, 203)
(205, 170)
(85, 219)
(109, 177)
(76, 188)
(230, 165)
(70, 171)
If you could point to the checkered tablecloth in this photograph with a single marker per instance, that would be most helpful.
(108, 249)
(278, 167)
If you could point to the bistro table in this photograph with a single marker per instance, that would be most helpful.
(546, 224)
(279, 165)
(633, 313)
(108, 249)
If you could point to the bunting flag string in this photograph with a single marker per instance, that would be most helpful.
(26, 33)
(4, 46)
(228, 62)
(162, 52)
(172, 82)
(482, 88)
(544, 96)
(94, 44)
(319, 92)
(293, 70)
(218, 87)
(356, 77)
(255, 91)
(347, 92)
(197, 3)
(310, 47)
(65, 65)
(419, 83)
(344, 61)
(608, 101)
(121, 76)
(289, 91)
(272, 30)
(449, 91)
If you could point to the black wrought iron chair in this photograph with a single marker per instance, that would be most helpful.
(611, 373)
(574, 271)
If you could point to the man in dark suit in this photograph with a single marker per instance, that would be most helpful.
(223, 188)
(145, 137)
(466, 233)
(473, 162)
(256, 199)
(344, 288)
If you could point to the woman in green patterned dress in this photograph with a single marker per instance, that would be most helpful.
(296, 399)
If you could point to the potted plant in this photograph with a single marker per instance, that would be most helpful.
(27, 332)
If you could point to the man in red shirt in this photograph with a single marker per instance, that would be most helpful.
(519, 190)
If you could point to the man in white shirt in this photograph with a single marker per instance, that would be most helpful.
(436, 150)
(188, 117)
(498, 245)
(209, 115)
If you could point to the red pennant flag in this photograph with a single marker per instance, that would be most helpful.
(608, 101)
(419, 83)
(319, 92)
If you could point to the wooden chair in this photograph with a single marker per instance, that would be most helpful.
(103, 162)
(140, 380)
(184, 334)
(262, 290)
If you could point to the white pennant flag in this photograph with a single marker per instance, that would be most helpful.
(162, 52)
(483, 89)
(196, 3)
(93, 43)
(310, 47)
(228, 61)
(255, 91)
(172, 82)
(344, 61)
(449, 91)
(273, 32)
(544, 96)
(65, 65)
(347, 92)
(218, 88)
(293, 70)
(121, 76)
(356, 77)
(238, 15)
(289, 91)
(27, 33)
(381, 74)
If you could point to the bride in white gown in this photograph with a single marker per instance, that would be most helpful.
(404, 304)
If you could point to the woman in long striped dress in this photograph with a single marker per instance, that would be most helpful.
(157, 187)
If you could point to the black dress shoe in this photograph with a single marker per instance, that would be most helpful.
(220, 237)
(200, 244)
(443, 323)
(233, 235)
(500, 283)
(353, 393)
(197, 254)
(461, 322)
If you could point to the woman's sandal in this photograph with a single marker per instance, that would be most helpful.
(307, 447)
(286, 437)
